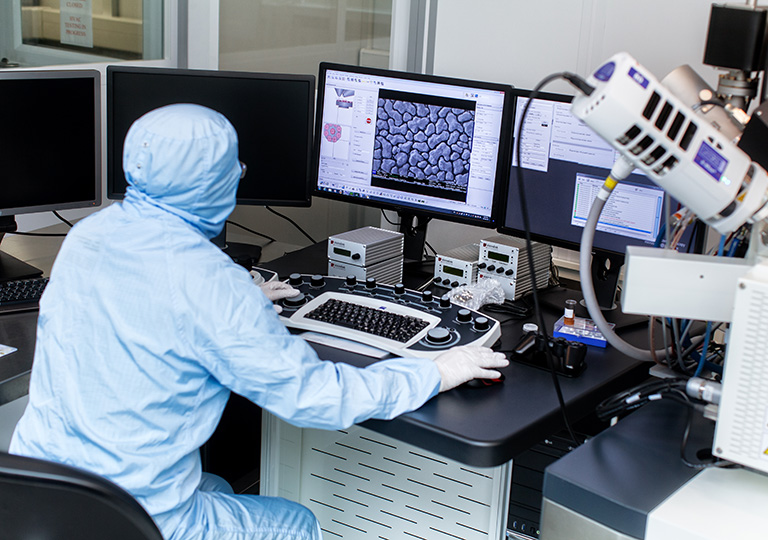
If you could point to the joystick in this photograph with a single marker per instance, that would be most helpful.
(567, 356)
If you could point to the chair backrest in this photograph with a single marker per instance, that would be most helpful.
(42, 499)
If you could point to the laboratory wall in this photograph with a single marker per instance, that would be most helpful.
(294, 37)
(521, 41)
(511, 41)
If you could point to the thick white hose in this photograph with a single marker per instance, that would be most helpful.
(588, 290)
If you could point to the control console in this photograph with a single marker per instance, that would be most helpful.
(568, 357)
(390, 317)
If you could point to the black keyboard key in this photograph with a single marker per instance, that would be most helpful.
(21, 293)
(369, 320)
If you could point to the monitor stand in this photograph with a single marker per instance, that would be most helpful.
(12, 268)
(414, 229)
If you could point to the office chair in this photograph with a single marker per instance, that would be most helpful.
(41, 499)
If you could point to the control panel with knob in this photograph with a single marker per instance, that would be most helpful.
(507, 260)
(390, 317)
(457, 267)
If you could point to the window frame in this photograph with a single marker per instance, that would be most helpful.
(35, 57)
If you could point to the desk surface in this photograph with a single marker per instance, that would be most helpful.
(489, 426)
(481, 427)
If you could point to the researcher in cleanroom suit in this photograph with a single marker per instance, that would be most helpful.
(146, 326)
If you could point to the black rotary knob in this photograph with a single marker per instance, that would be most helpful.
(454, 284)
(426, 296)
(446, 282)
(370, 283)
(295, 279)
(317, 281)
(445, 301)
(399, 289)
(491, 267)
(509, 272)
(439, 336)
(482, 324)
(464, 316)
(295, 301)
(355, 256)
(351, 281)
(500, 270)
(481, 265)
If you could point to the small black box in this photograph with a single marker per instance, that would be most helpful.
(754, 139)
(736, 37)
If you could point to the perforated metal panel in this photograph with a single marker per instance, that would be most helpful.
(741, 432)
(362, 485)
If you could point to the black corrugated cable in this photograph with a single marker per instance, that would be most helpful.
(55, 213)
(579, 83)
(251, 231)
(289, 220)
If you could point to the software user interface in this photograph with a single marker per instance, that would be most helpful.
(565, 163)
(411, 143)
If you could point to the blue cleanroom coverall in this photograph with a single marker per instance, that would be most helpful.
(146, 327)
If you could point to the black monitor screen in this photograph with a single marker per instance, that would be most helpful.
(272, 114)
(565, 163)
(414, 143)
(50, 133)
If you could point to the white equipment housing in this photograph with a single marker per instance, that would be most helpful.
(741, 432)
(667, 283)
(677, 149)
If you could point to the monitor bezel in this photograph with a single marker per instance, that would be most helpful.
(95, 77)
(512, 187)
(304, 200)
(502, 165)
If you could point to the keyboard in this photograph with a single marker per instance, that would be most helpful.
(388, 317)
(21, 294)
(377, 322)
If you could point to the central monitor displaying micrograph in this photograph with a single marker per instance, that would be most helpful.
(564, 165)
(425, 146)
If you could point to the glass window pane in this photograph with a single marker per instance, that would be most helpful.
(293, 36)
(46, 32)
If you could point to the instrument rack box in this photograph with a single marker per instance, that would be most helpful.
(505, 259)
(457, 266)
(365, 246)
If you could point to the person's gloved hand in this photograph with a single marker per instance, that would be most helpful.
(277, 290)
(461, 364)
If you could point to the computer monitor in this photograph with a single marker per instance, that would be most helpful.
(564, 164)
(424, 146)
(50, 133)
(272, 114)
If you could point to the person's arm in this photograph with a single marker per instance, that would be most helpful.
(247, 349)
(251, 352)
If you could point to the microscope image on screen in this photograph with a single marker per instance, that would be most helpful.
(423, 144)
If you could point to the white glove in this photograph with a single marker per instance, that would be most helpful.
(461, 364)
(277, 290)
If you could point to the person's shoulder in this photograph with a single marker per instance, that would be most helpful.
(200, 263)
(212, 286)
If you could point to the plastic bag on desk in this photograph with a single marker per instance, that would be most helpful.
(485, 291)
